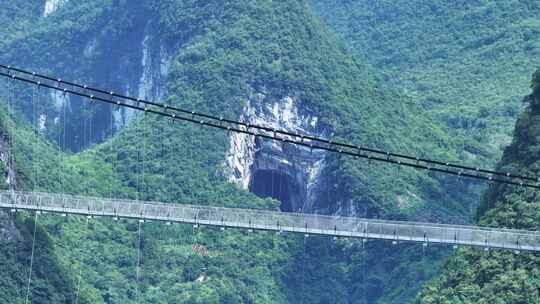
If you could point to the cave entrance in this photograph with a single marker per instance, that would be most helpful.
(274, 184)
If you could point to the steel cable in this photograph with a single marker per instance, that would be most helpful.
(284, 136)
(307, 137)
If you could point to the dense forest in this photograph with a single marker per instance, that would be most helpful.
(473, 277)
(367, 72)
(467, 63)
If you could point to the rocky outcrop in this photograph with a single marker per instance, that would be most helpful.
(8, 231)
(288, 173)
(155, 63)
(51, 6)
(8, 172)
(142, 74)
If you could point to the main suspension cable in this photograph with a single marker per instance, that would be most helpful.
(278, 135)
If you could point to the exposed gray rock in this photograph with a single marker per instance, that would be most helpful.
(51, 6)
(147, 81)
(286, 172)
(155, 63)
(8, 173)
(8, 231)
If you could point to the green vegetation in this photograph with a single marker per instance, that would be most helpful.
(473, 276)
(52, 283)
(466, 62)
(105, 252)
(223, 53)
(278, 48)
(52, 280)
(21, 17)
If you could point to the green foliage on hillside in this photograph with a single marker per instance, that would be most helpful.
(88, 41)
(106, 252)
(226, 52)
(20, 17)
(277, 48)
(52, 282)
(474, 276)
(251, 55)
(295, 56)
(465, 62)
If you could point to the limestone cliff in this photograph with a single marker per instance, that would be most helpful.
(285, 172)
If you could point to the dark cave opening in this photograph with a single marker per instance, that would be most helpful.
(274, 184)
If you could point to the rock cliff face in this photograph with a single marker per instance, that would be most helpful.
(8, 231)
(8, 173)
(51, 6)
(288, 173)
(140, 73)
(154, 68)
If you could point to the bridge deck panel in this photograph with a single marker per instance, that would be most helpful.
(275, 221)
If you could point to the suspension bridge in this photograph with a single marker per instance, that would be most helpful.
(252, 219)
(334, 226)
(256, 219)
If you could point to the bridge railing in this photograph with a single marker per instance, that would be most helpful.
(276, 221)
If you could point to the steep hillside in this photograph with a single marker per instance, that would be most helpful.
(130, 48)
(108, 265)
(232, 58)
(501, 277)
(23, 17)
(102, 43)
(465, 62)
(52, 280)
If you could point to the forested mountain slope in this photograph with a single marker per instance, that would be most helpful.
(475, 276)
(145, 49)
(465, 62)
(52, 281)
(468, 63)
(218, 57)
